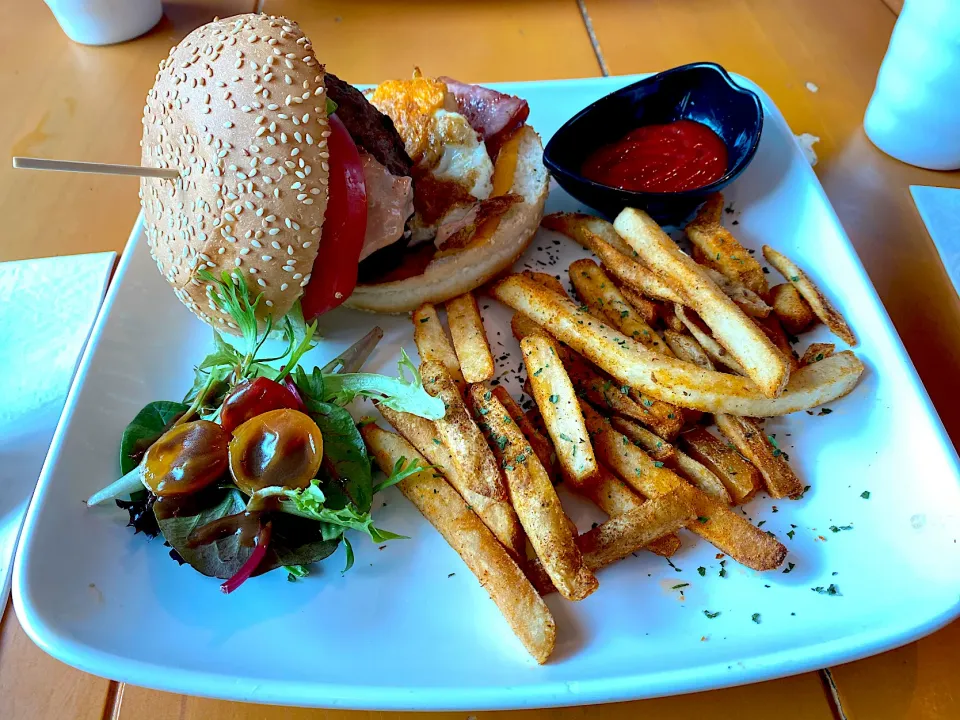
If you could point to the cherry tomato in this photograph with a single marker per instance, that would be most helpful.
(280, 447)
(334, 273)
(185, 459)
(254, 397)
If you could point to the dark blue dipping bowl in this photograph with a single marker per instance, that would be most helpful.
(702, 92)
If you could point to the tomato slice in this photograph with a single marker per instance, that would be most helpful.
(334, 272)
(255, 397)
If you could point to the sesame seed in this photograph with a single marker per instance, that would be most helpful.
(305, 245)
(268, 303)
(308, 201)
(244, 251)
(261, 282)
(283, 287)
(275, 245)
(253, 271)
(237, 262)
(266, 258)
(274, 231)
(286, 268)
(256, 244)
(270, 218)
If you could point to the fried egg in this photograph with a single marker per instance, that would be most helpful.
(437, 138)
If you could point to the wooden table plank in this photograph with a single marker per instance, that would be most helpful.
(34, 685)
(367, 41)
(783, 45)
(799, 698)
(79, 103)
(915, 682)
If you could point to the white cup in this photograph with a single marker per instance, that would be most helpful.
(914, 114)
(103, 22)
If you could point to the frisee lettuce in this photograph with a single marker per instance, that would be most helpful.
(400, 394)
(401, 471)
(309, 502)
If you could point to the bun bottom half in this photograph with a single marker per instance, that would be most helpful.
(453, 275)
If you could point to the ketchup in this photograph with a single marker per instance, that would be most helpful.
(682, 155)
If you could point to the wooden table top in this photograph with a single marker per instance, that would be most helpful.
(66, 100)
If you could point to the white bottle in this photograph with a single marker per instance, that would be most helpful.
(914, 114)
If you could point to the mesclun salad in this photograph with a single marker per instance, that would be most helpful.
(261, 466)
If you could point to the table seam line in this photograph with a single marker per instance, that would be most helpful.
(111, 705)
(832, 693)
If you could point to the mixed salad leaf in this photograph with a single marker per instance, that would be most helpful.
(292, 526)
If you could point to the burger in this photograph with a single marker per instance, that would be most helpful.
(414, 191)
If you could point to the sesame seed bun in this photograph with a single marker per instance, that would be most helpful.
(239, 107)
(453, 275)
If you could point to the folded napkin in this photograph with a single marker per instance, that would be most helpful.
(940, 211)
(47, 308)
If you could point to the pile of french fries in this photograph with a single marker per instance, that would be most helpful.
(625, 381)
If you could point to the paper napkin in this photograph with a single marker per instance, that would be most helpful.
(47, 308)
(940, 210)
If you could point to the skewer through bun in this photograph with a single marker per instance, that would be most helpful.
(239, 108)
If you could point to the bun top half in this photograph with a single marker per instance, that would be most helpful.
(239, 108)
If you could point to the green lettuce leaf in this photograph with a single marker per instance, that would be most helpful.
(400, 393)
(310, 503)
(401, 471)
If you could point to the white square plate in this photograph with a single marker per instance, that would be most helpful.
(409, 627)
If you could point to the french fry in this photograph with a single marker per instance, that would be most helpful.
(687, 348)
(623, 534)
(669, 379)
(794, 312)
(498, 515)
(741, 479)
(670, 318)
(716, 523)
(498, 573)
(752, 443)
(469, 338)
(534, 498)
(602, 240)
(721, 250)
(817, 352)
(745, 298)
(821, 307)
(547, 281)
(714, 350)
(599, 293)
(614, 497)
(748, 345)
(555, 396)
(664, 419)
(654, 445)
(772, 328)
(650, 310)
(433, 344)
(475, 464)
(542, 447)
(685, 466)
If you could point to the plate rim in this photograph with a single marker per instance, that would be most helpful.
(547, 693)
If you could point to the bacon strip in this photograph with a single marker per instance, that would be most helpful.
(457, 234)
(495, 115)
